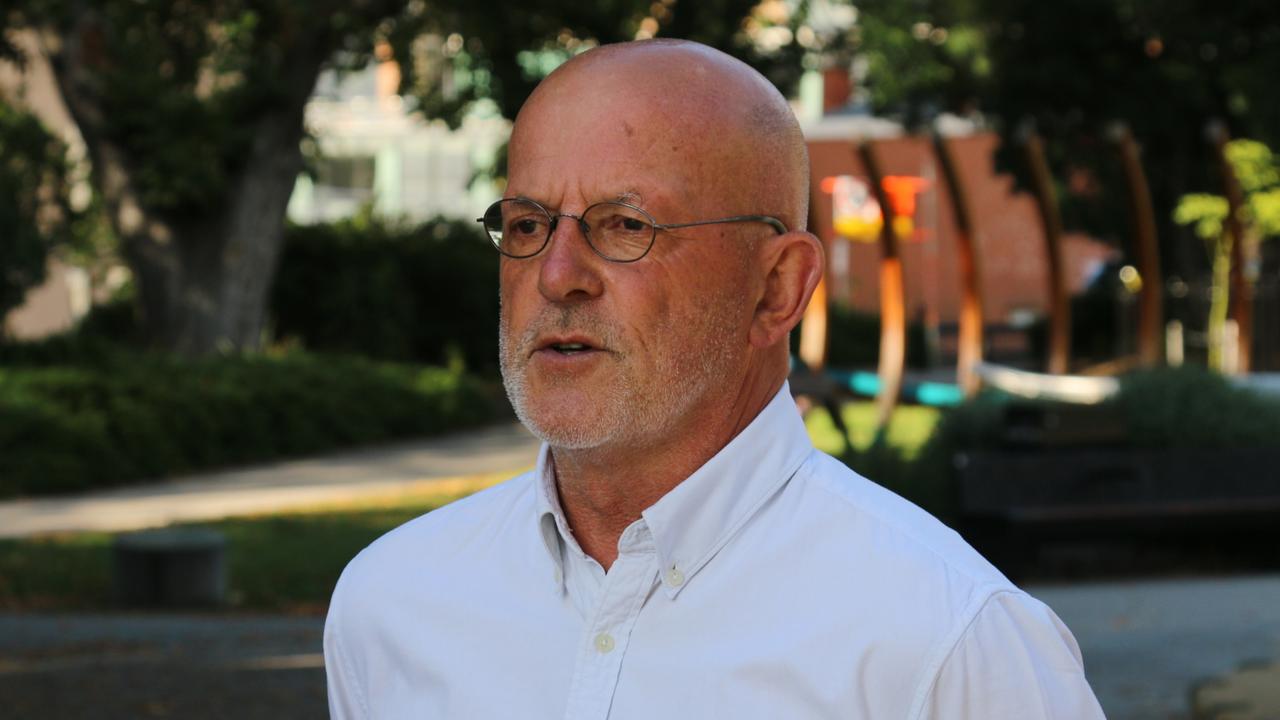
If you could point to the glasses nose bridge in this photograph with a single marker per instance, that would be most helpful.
(555, 221)
(582, 226)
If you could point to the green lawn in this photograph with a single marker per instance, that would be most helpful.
(290, 562)
(909, 428)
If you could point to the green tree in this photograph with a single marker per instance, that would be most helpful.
(1164, 67)
(1258, 172)
(192, 113)
(918, 58)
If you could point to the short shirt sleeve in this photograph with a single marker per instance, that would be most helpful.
(1015, 660)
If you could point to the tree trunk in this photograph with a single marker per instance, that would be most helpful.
(207, 292)
(202, 282)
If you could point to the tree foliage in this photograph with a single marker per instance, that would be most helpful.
(457, 53)
(1071, 69)
(1258, 171)
(1164, 67)
(918, 59)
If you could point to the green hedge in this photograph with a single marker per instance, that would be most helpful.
(128, 416)
(425, 293)
(1186, 407)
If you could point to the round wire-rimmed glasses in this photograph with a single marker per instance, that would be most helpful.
(616, 231)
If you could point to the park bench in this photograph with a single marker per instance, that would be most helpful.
(1059, 473)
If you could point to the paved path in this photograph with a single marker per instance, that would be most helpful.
(335, 478)
(1146, 645)
(125, 667)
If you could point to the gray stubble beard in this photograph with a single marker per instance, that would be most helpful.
(630, 411)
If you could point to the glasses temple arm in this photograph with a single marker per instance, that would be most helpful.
(778, 226)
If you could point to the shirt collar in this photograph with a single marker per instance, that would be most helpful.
(696, 518)
(552, 524)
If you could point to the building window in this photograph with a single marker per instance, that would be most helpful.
(349, 173)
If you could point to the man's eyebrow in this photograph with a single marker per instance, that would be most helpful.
(630, 197)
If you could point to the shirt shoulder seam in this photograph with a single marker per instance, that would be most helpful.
(824, 483)
(947, 646)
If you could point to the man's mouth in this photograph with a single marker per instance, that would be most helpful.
(571, 348)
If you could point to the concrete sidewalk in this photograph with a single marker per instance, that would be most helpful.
(367, 473)
(1147, 644)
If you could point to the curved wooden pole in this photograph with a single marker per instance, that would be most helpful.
(1059, 306)
(814, 330)
(1241, 292)
(1142, 216)
(969, 350)
(815, 334)
(893, 310)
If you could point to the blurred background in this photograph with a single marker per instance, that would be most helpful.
(249, 322)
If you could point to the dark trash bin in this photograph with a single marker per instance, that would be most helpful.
(171, 567)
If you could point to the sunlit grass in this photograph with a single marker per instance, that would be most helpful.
(909, 428)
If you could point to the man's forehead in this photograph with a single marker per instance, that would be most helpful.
(593, 171)
(551, 199)
(618, 130)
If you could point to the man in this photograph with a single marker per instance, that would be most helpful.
(680, 550)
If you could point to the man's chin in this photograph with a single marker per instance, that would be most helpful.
(570, 415)
(567, 429)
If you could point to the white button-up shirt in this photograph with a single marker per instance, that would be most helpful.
(772, 583)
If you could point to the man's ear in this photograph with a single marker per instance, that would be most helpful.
(794, 264)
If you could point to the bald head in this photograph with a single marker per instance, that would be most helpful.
(731, 130)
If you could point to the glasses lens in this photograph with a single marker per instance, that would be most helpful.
(619, 232)
(518, 228)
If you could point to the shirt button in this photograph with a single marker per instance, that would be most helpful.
(675, 578)
(604, 642)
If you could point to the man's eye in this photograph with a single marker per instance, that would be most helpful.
(525, 227)
(634, 225)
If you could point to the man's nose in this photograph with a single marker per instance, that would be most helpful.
(570, 269)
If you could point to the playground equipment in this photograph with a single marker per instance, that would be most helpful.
(876, 217)
(889, 384)
(1142, 220)
(1051, 221)
(893, 297)
(969, 344)
(1143, 247)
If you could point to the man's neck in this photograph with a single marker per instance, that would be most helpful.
(604, 490)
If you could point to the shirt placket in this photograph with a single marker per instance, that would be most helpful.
(604, 644)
